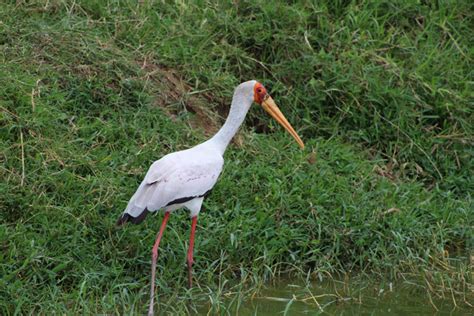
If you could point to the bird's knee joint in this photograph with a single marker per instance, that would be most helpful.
(154, 253)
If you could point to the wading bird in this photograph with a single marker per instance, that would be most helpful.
(184, 178)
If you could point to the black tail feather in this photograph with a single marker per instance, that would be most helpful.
(129, 218)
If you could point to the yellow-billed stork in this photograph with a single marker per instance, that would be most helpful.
(184, 178)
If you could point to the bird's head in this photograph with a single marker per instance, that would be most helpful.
(260, 96)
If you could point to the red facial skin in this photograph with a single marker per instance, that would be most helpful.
(259, 93)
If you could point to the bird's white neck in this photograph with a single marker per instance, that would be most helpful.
(238, 110)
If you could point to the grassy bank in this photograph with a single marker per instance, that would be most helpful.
(91, 94)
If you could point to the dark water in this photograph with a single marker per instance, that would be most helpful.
(339, 298)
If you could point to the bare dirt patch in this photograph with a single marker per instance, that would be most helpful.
(174, 95)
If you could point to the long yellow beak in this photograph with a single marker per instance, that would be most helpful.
(269, 105)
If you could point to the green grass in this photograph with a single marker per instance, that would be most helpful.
(381, 93)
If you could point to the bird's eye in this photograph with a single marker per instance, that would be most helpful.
(259, 90)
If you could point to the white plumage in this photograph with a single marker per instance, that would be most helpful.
(182, 177)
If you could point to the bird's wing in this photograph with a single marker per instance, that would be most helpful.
(175, 177)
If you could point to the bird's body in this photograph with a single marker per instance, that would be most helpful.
(184, 178)
(180, 179)
(191, 172)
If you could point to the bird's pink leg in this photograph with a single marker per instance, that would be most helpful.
(190, 252)
(154, 256)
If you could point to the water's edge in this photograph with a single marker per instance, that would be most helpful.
(336, 297)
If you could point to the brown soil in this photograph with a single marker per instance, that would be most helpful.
(173, 94)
